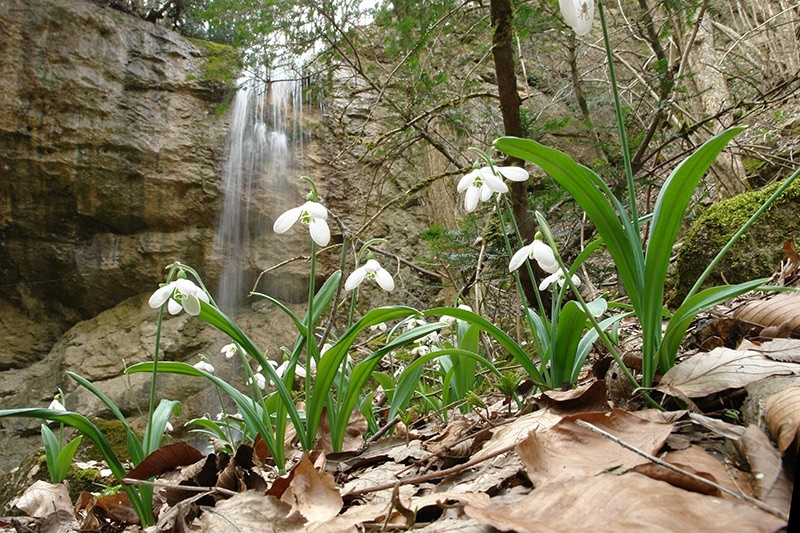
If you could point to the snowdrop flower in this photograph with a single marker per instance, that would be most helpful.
(205, 366)
(450, 320)
(481, 183)
(260, 381)
(557, 276)
(536, 250)
(578, 14)
(379, 327)
(422, 349)
(229, 350)
(299, 371)
(312, 214)
(181, 294)
(56, 405)
(370, 270)
(168, 428)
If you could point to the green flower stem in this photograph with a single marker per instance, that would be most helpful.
(623, 137)
(602, 335)
(518, 281)
(152, 406)
(785, 185)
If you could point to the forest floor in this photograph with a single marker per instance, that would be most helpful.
(719, 455)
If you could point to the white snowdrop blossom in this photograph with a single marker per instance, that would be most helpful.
(370, 270)
(56, 405)
(451, 320)
(379, 327)
(168, 428)
(299, 371)
(422, 349)
(229, 350)
(557, 277)
(578, 14)
(260, 381)
(181, 294)
(313, 215)
(205, 366)
(481, 183)
(413, 323)
(536, 250)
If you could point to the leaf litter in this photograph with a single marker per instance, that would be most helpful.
(565, 461)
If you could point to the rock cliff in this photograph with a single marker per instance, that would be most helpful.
(110, 144)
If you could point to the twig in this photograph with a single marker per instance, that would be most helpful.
(433, 475)
(761, 505)
(130, 481)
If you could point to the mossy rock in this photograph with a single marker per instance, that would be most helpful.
(758, 252)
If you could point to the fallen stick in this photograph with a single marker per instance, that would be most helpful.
(744, 497)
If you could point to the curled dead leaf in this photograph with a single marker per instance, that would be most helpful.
(783, 418)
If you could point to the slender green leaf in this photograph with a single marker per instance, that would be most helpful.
(683, 316)
(569, 330)
(496, 333)
(51, 450)
(153, 435)
(64, 459)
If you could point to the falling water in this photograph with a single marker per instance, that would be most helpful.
(264, 142)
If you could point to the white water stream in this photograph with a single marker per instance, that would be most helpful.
(264, 143)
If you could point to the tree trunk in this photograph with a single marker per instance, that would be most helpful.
(502, 18)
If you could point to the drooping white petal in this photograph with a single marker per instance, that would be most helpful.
(467, 181)
(355, 278)
(173, 307)
(229, 350)
(495, 183)
(519, 257)
(513, 173)
(471, 199)
(320, 232)
(385, 280)
(55, 405)
(161, 295)
(549, 280)
(315, 209)
(578, 14)
(486, 193)
(372, 266)
(544, 256)
(191, 304)
(204, 366)
(287, 220)
(260, 381)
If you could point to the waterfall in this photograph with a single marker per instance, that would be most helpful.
(264, 151)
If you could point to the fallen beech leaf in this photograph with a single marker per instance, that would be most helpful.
(628, 503)
(517, 431)
(252, 511)
(353, 435)
(720, 369)
(768, 478)
(42, 499)
(773, 311)
(165, 459)
(783, 418)
(787, 350)
(312, 493)
(117, 507)
(584, 399)
(568, 450)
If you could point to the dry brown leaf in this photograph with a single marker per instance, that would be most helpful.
(585, 398)
(783, 418)
(312, 493)
(630, 503)
(165, 459)
(720, 369)
(787, 350)
(517, 431)
(768, 479)
(42, 499)
(252, 511)
(353, 436)
(568, 450)
(773, 311)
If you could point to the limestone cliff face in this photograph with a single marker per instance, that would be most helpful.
(109, 149)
